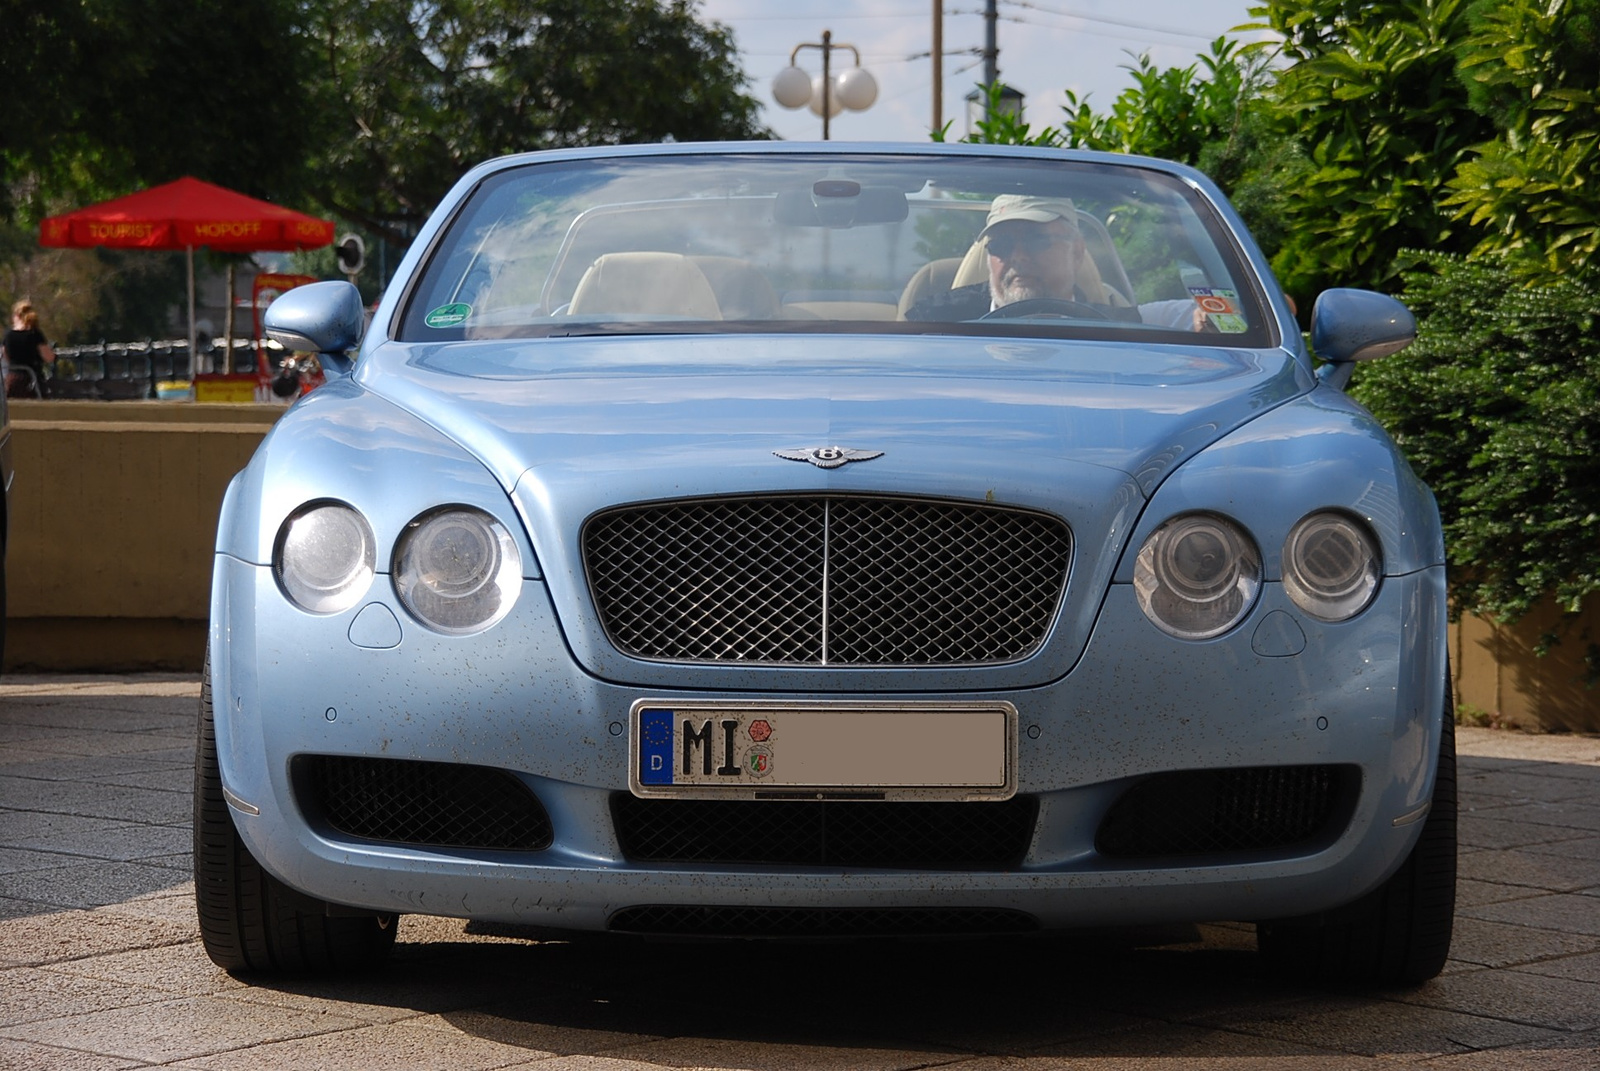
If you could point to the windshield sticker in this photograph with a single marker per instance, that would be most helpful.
(448, 315)
(1221, 307)
(1215, 299)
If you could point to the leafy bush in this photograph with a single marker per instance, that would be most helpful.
(1373, 95)
(1174, 113)
(1531, 190)
(1497, 405)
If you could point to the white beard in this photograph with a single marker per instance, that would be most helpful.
(1011, 293)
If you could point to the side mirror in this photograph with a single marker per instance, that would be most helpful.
(1358, 325)
(322, 318)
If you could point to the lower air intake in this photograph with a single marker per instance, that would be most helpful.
(431, 804)
(874, 834)
(1255, 810)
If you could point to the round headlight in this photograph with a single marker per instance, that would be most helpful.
(324, 557)
(1197, 576)
(1330, 566)
(457, 570)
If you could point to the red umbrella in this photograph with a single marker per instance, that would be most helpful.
(182, 215)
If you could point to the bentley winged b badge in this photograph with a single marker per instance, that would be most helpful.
(828, 457)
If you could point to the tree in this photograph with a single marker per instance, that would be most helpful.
(413, 94)
(104, 97)
(1373, 95)
(1533, 191)
(1174, 113)
(1213, 115)
(40, 60)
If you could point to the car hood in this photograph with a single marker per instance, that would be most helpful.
(1084, 430)
(675, 404)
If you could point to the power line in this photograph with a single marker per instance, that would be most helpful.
(1115, 35)
(1106, 19)
(920, 13)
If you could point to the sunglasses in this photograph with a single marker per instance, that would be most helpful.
(1033, 242)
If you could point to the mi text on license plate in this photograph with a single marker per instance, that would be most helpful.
(776, 750)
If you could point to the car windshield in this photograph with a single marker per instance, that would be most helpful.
(874, 243)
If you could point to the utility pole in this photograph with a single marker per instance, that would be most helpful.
(938, 65)
(991, 50)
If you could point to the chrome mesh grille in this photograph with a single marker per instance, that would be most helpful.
(826, 580)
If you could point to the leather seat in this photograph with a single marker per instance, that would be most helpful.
(645, 284)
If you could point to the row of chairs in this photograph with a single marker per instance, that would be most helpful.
(131, 370)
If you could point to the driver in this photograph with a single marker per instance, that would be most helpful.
(1033, 248)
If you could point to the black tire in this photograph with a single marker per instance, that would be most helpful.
(250, 922)
(1398, 934)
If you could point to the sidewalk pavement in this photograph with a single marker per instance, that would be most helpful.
(101, 966)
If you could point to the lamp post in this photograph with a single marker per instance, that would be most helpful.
(826, 94)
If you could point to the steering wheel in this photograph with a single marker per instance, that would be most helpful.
(1044, 306)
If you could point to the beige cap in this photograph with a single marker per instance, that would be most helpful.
(1035, 209)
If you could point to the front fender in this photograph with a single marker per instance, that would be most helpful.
(1320, 451)
(345, 443)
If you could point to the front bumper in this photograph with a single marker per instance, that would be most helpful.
(1365, 694)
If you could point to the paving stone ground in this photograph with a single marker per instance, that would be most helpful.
(101, 966)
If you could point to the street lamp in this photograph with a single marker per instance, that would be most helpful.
(827, 94)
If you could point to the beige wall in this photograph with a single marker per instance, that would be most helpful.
(114, 510)
(113, 517)
(1502, 679)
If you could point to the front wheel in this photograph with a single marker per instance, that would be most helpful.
(1398, 934)
(249, 920)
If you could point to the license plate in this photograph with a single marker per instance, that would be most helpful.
(761, 750)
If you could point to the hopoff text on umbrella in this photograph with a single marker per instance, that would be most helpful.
(182, 215)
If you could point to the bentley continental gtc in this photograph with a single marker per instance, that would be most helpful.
(798, 541)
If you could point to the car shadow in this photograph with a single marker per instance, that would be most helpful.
(1120, 990)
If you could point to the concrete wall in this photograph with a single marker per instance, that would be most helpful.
(1537, 674)
(113, 518)
(114, 510)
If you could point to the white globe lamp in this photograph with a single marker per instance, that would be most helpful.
(856, 89)
(834, 106)
(792, 88)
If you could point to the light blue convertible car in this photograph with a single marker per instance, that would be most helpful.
(801, 541)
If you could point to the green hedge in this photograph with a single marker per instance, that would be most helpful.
(1497, 405)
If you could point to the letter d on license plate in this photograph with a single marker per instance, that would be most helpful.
(759, 749)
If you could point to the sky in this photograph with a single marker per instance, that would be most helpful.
(1045, 46)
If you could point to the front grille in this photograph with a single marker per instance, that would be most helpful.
(826, 580)
(437, 804)
(1252, 810)
(686, 920)
(876, 834)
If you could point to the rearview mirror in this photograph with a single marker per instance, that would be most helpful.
(840, 203)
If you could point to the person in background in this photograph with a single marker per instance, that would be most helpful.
(25, 348)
